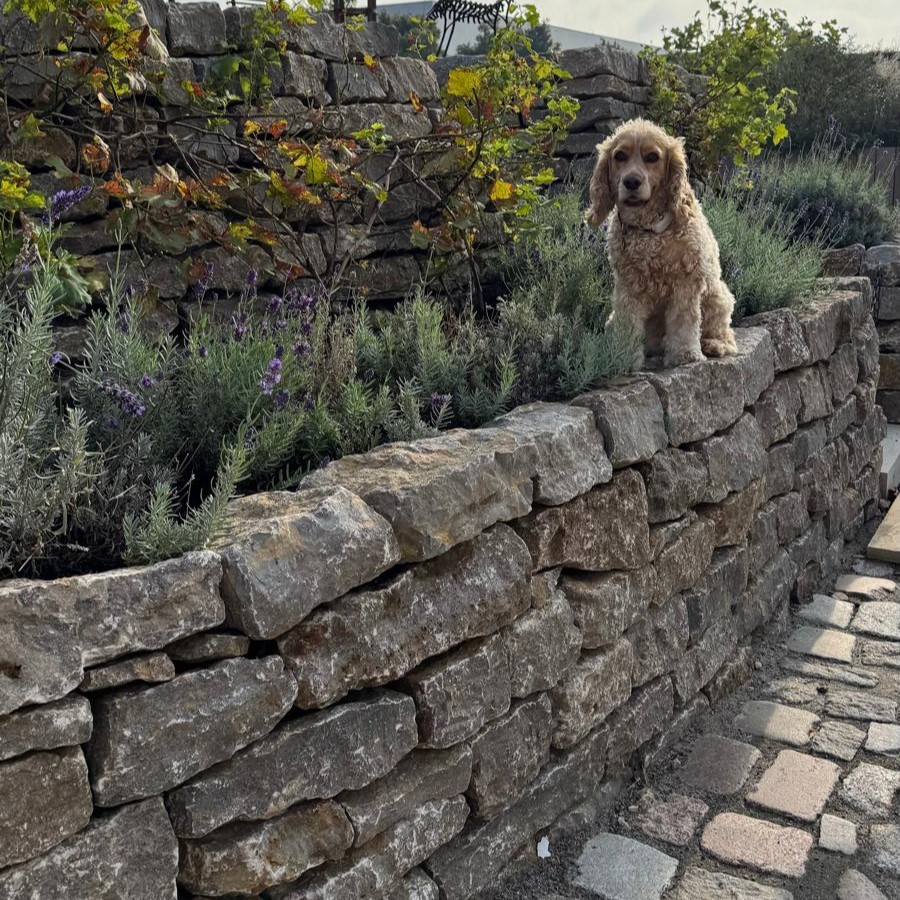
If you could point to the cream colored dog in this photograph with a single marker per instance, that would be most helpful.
(668, 281)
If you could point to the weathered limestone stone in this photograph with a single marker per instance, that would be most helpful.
(605, 604)
(787, 337)
(861, 705)
(838, 835)
(866, 341)
(765, 593)
(676, 481)
(403, 75)
(735, 671)
(472, 861)
(826, 611)
(56, 628)
(614, 866)
(284, 554)
(457, 693)
(672, 819)
(824, 322)
(148, 740)
(630, 418)
(569, 535)
(600, 682)
(196, 30)
(842, 372)
(796, 785)
(371, 637)
(777, 722)
(881, 619)
(698, 665)
(843, 417)
(871, 789)
(701, 884)
(208, 647)
(778, 408)
(541, 646)
(844, 260)
(733, 517)
(763, 539)
(883, 739)
(830, 671)
(733, 459)
(683, 719)
(558, 446)
(381, 863)
(151, 668)
(881, 653)
(658, 640)
(363, 740)
(507, 755)
(349, 83)
(438, 492)
(244, 858)
(793, 519)
(62, 723)
(401, 121)
(764, 846)
(808, 440)
(646, 712)
(422, 776)
(130, 853)
(718, 765)
(883, 264)
(682, 561)
(885, 840)
(44, 798)
(823, 643)
(855, 886)
(780, 469)
(415, 886)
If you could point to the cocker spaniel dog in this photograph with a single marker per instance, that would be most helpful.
(668, 290)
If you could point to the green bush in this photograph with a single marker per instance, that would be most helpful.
(830, 192)
(761, 262)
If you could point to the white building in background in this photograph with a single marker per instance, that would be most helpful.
(465, 33)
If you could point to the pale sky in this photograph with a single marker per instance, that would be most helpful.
(873, 22)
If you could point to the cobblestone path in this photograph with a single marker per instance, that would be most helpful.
(788, 789)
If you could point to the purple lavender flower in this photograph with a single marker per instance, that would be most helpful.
(301, 349)
(439, 401)
(239, 326)
(282, 398)
(275, 305)
(203, 353)
(202, 284)
(279, 351)
(272, 377)
(55, 359)
(62, 201)
(147, 382)
(250, 284)
(123, 319)
(112, 423)
(129, 403)
(324, 460)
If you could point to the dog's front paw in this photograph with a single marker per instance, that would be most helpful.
(717, 348)
(682, 357)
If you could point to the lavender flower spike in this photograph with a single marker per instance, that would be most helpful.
(62, 201)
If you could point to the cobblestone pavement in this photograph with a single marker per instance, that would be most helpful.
(788, 788)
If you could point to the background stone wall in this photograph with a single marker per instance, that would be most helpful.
(387, 683)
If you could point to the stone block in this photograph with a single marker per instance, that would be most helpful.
(363, 740)
(208, 647)
(148, 740)
(699, 664)
(630, 418)
(62, 723)
(823, 643)
(777, 722)
(809, 439)
(883, 739)
(718, 765)
(350, 83)
(733, 673)
(507, 755)
(878, 618)
(371, 637)
(614, 866)
(685, 558)
(196, 29)
(842, 372)
(701, 884)
(733, 459)
(456, 694)
(844, 260)
(837, 834)
(826, 611)
(376, 39)
(825, 322)
(404, 76)
(838, 740)
(643, 716)
(401, 121)
(658, 640)
(675, 480)
(883, 264)
(855, 886)
(871, 790)
(733, 516)
(304, 76)
(778, 408)
(796, 785)
(766, 592)
(888, 303)
(672, 819)
(763, 540)
(861, 705)
(815, 393)
(787, 337)
(764, 846)
(779, 469)
(151, 668)
(866, 341)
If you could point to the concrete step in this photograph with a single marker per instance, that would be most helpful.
(885, 543)
(890, 465)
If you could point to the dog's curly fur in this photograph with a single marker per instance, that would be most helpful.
(669, 290)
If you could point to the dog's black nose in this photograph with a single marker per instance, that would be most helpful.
(632, 182)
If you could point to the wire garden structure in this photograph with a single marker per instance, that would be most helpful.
(452, 12)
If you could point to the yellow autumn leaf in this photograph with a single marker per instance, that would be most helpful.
(105, 105)
(463, 82)
(369, 61)
(779, 134)
(316, 170)
(502, 190)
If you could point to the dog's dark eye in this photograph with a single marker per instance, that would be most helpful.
(651, 157)
(620, 156)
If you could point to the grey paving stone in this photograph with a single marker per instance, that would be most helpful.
(796, 785)
(823, 643)
(673, 819)
(883, 739)
(880, 619)
(865, 586)
(855, 886)
(618, 868)
(873, 568)
(825, 610)
(838, 835)
(870, 790)
(838, 740)
(699, 884)
(777, 722)
(860, 705)
(764, 846)
(830, 671)
(718, 765)
(881, 653)
(884, 841)
(792, 690)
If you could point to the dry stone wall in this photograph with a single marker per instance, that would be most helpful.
(387, 683)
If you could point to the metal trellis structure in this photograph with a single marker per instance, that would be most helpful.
(451, 12)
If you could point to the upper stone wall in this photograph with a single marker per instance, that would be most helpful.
(408, 668)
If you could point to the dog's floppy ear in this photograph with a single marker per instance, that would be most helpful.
(600, 189)
(677, 183)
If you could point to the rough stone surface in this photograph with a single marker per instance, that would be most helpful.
(765, 593)
(787, 337)
(838, 740)
(733, 517)
(870, 790)
(56, 628)
(735, 671)
(201, 648)
(855, 886)
(371, 637)
(883, 738)
(719, 765)
(196, 30)
(846, 704)
(415, 886)
(825, 610)
(823, 643)
(733, 459)
(658, 640)
(417, 779)
(712, 597)
(374, 867)
(881, 653)
(684, 559)
(599, 682)
(647, 711)
(62, 723)
(885, 844)
(630, 418)
(865, 586)
(777, 722)
(541, 646)
(796, 785)
(742, 841)
(878, 619)
(676, 481)
(673, 819)
(828, 671)
(149, 740)
(438, 492)
(322, 543)
(566, 535)
(44, 798)
(618, 868)
(364, 739)
(130, 853)
(152, 668)
(457, 693)
(837, 834)
(698, 666)
(507, 755)
(700, 884)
